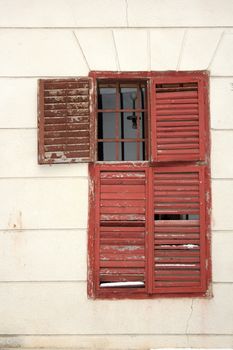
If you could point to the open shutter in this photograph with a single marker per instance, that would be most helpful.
(120, 229)
(179, 230)
(64, 120)
(179, 117)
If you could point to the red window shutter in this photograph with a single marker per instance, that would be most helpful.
(64, 120)
(120, 229)
(179, 117)
(179, 245)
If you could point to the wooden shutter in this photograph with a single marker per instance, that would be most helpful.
(120, 229)
(179, 230)
(179, 117)
(64, 120)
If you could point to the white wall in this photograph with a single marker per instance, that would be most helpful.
(43, 215)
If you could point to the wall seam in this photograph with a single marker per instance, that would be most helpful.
(5, 335)
(227, 27)
(126, 13)
(116, 52)
(181, 49)
(216, 49)
(80, 47)
(148, 49)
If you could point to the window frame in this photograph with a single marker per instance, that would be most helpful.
(149, 77)
(106, 76)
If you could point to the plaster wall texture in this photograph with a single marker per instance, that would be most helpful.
(44, 212)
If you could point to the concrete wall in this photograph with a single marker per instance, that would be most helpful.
(43, 212)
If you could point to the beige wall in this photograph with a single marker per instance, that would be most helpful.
(43, 212)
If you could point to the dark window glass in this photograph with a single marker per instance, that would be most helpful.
(107, 125)
(176, 217)
(109, 151)
(107, 98)
(128, 97)
(132, 125)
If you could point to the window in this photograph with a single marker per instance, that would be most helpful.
(121, 114)
(146, 137)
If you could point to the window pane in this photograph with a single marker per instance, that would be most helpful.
(106, 125)
(109, 150)
(107, 98)
(129, 151)
(129, 127)
(128, 97)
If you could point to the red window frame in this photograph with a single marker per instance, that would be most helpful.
(154, 163)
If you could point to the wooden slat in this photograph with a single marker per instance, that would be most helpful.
(166, 124)
(177, 117)
(126, 210)
(65, 127)
(56, 98)
(176, 95)
(130, 195)
(122, 175)
(175, 106)
(63, 141)
(67, 147)
(123, 188)
(171, 111)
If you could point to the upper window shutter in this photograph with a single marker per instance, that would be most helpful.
(120, 230)
(65, 125)
(180, 242)
(179, 117)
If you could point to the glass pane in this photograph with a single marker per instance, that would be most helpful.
(129, 125)
(129, 151)
(108, 150)
(107, 98)
(128, 97)
(106, 125)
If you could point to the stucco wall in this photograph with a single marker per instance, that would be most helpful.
(43, 212)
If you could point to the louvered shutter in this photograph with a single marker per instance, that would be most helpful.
(120, 229)
(64, 120)
(179, 117)
(179, 230)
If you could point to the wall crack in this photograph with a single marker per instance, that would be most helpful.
(189, 318)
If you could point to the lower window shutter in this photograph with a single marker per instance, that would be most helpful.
(65, 132)
(120, 232)
(179, 230)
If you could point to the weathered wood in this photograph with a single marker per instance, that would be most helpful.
(65, 120)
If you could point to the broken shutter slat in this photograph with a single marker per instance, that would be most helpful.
(64, 120)
(178, 117)
(179, 230)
